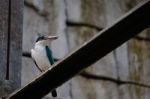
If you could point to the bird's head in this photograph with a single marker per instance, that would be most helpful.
(45, 40)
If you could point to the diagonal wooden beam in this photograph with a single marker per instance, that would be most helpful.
(106, 41)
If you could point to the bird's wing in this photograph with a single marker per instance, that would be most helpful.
(51, 60)
(49, 55)
(32, 55)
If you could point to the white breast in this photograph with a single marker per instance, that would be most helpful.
(40, 57)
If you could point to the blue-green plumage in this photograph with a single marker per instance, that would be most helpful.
(49, 55)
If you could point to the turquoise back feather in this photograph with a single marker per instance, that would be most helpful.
(49, 55)
(51, 60)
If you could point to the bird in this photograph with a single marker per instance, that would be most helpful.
(42, 55)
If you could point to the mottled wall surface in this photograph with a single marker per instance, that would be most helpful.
(75, 22)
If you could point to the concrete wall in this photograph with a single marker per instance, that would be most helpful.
(75, 22)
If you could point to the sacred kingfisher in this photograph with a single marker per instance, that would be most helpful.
(42, 54)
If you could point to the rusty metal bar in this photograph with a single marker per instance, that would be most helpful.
(106, 41)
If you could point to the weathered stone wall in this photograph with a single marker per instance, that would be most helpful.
(75, 22)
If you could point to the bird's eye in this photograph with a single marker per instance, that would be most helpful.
(40, 38)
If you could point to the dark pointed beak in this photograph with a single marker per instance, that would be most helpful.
(51, 37)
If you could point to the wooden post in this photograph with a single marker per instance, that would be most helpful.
(11, 13)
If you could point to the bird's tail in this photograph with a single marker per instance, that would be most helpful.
(54, 93)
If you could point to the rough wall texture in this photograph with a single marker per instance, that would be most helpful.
(75, 22)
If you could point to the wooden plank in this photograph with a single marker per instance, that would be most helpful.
(11, 14)
(3, 37)
(15, 58)
(4, 16)
(107, 40)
